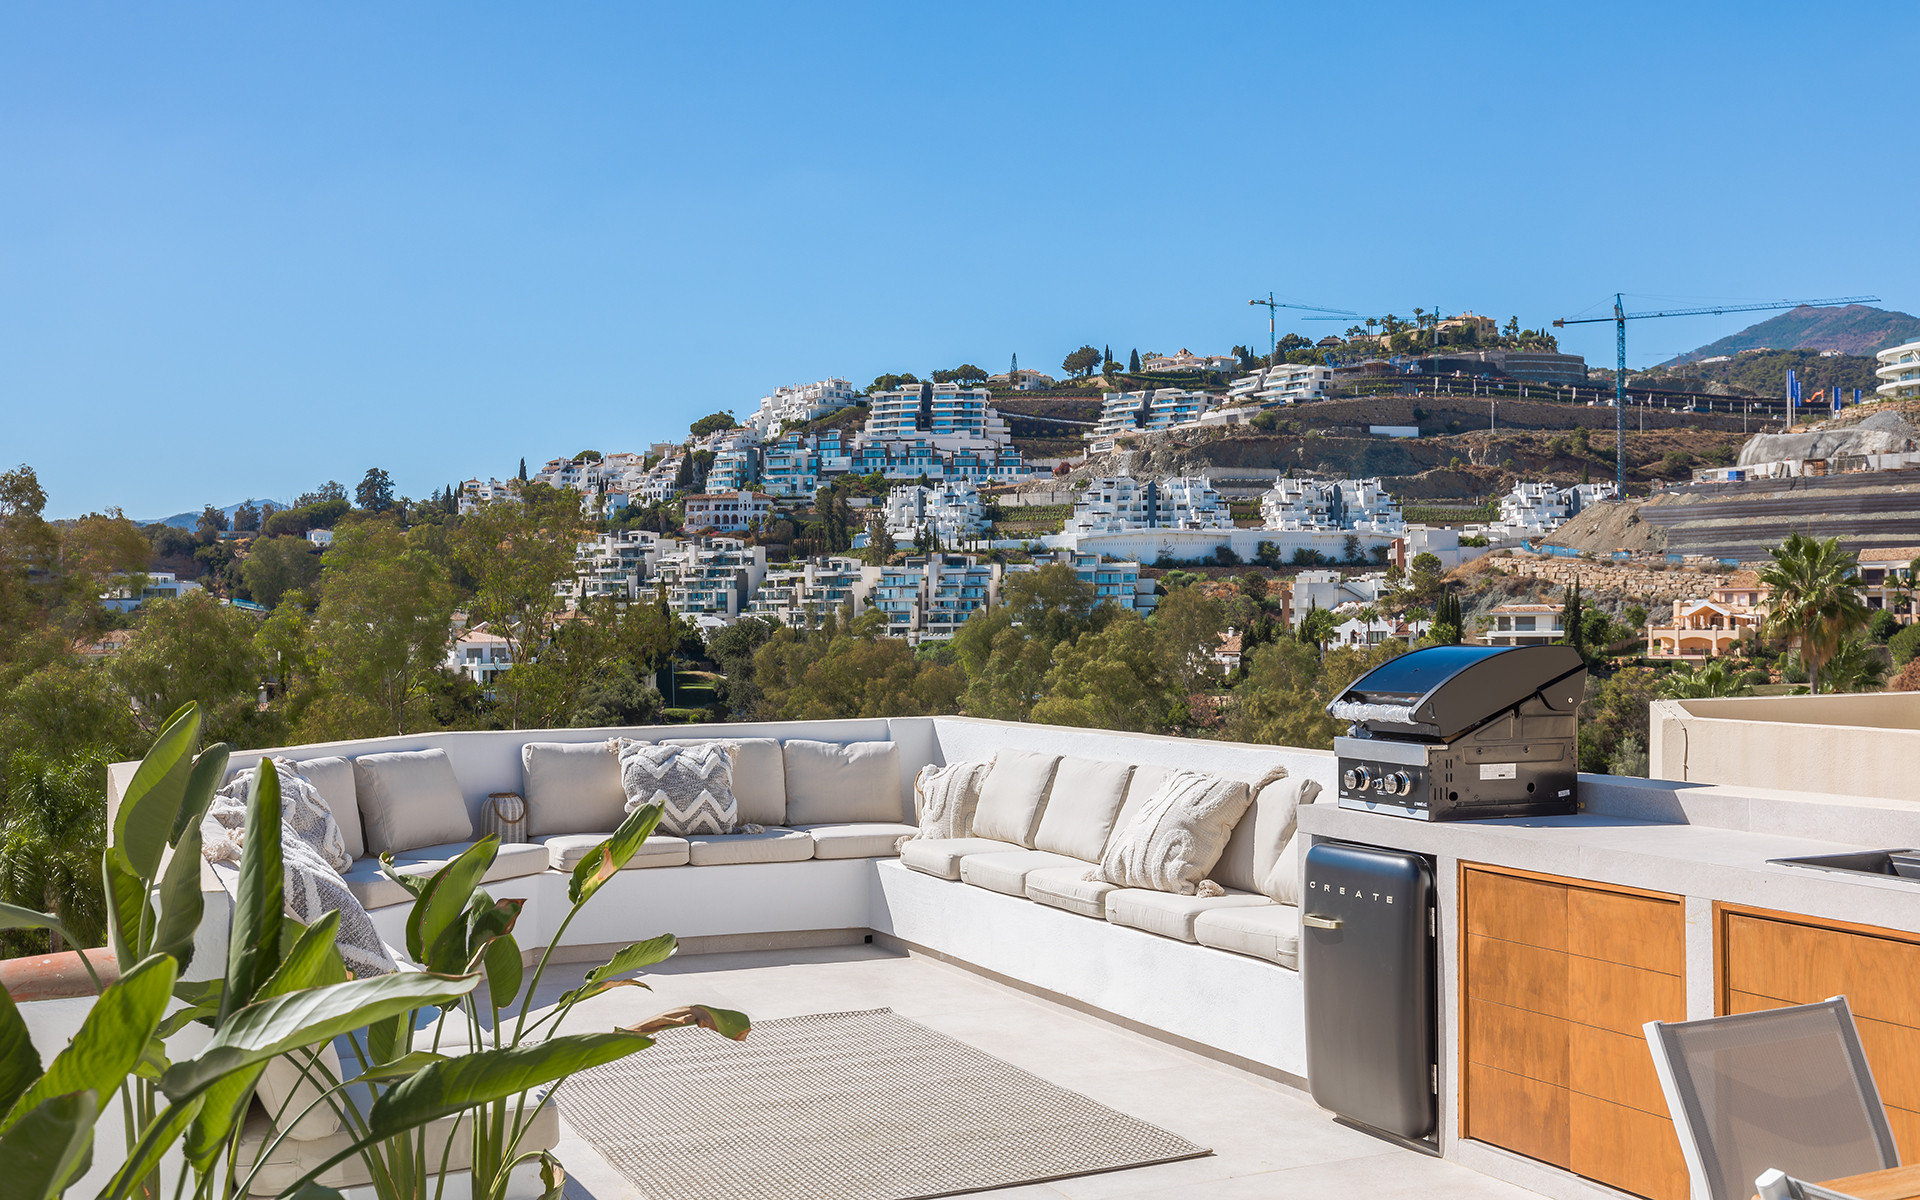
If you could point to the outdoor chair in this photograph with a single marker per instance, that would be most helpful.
(1784, 1089)
(1778, 1185)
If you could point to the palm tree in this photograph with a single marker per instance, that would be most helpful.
(51, 843)
(1815, 597)
(1709, 679)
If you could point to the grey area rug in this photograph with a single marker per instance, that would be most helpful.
(852, 1106)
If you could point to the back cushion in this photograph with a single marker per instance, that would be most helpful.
(1282, 883)
(409, 799)
(333, 779)
(571, 787)
(828, 783)
(759, 777)
(1014, 796)
(1082, 807)
(1145, 782)
(1257, 839)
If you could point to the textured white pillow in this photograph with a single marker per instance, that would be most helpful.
(1177, 836)
(694, 784)
(572, 787)
(410, 799)
(759, 776)
(945, 798)
(1282, 883)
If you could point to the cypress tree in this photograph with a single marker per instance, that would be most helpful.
(1570, 618)
(1133, 362)
(523, 470)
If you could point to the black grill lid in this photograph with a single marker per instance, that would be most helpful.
(1447, 690)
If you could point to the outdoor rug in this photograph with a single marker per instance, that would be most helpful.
(852, 1106)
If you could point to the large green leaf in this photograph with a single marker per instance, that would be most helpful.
(49, 1147)
(253, 944)
(111, 1039)
(723, 1021)
(181, 905)
(414, 884)
(282, 1023)
(389, 1040)
(209, 770)
(505, 971)
(219, 1109)
(126, 898)
(12, 916)
(462, 1082)
(19, 1061)
(604, 861)
(155, 1140)
(143, 824)
(312, 960)
(640, 954)
(444, 901)
(399, 1068)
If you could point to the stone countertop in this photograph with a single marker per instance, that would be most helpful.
(1681, 859)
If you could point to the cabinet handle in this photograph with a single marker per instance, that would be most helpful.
(1313, 922)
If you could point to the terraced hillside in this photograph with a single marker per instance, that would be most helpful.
(1743, 521)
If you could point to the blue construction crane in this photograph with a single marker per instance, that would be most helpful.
(1273, 306)
(1620, 318)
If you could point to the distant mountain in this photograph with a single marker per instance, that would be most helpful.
(187, 520)
(1854, 329)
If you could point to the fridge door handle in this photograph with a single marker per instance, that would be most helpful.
(1316, 922)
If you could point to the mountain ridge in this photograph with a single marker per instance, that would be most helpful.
(1857, 329)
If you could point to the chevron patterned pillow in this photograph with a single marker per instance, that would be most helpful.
(693, 783)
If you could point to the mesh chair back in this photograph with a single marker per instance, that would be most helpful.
(1786, 1088)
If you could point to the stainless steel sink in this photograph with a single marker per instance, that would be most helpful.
(1897, 864)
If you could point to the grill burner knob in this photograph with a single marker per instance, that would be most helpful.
(1390, 784)
(1359, 779)
(1401, 783)
(1349, 779)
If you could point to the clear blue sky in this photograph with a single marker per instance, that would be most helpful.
(247, 248)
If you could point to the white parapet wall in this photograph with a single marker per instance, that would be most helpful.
(1850, 745)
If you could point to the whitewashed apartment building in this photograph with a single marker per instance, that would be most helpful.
(1121, 504)
(1288, 383)
(474, 493)
(729, 512)
(952, 511)
(931, 597)
(1187, 360)
(1535, 510)
(613, 566)
(1359, 505)
(800, 595)
(942, 412)
(801, 402)
(1136, 412)
(712, 580)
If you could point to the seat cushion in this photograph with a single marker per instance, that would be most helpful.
(1258, 836)
(856, 839)
(1169, 914)
(940, 857)
(759, 777)
(1082, 806)
(409, 799)
(286, 1087)
(290, 1160)
(1014, 795)
(693, 785)
(1271, 932)
(829, 783)
(1069, 888)
(370, 885)
(565, 850)
(775, 845)
(333, 779)
(571, 787)
(1175, 839)
(1006, 870)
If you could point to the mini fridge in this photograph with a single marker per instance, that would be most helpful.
(1367, 963)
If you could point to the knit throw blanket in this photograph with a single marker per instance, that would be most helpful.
(314, 852)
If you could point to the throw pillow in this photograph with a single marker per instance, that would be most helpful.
(1014, 795)
(830, 783)
(945, 797)
(410, 799)
(694, 784)
(571, 787)
(308, 815)
(1282, 883)
(1177, 836)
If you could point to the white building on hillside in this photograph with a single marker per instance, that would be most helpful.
(1143, 411)
(1187, 360)
(801, 595)
(1359, 505)
(711, 578)
(800, 403)
(1535, 510)
(1121, 503)
(1288, 383)
(951, 511)
(1899, 372)
(946, 414)
(1114, 581)
(729, 512)
(1523, 625)
(156, 585)
(479, 654)
(473, 494)
(1024, 380)
(931, 597)
(613, 566)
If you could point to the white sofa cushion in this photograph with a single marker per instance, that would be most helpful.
(1259, 835)
(1082, 806)
(408, 799)
(759, 777)
(1177, 836)
(1168, 913)
(1269, 931)
(285, 1087)
(565, 850)
(1069, 888)
(856, 839)
(373, 889)
(772, 845)
(1145, 782)
(1006, 871)
(944, 798)
(1014, 796)
(571, 787)
(940, 857)
(332, 777)
(1282, 880)
(830, 783)
(692, 784)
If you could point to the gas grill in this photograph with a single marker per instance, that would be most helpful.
(1456, 733)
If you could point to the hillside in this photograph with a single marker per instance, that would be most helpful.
(1853, 329)
(1763, 373)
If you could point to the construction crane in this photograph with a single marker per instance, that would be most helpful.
(1274, 306)
(1620, 318)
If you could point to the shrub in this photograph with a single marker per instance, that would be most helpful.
(1904, 645)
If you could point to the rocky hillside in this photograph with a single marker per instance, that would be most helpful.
(1851, 329)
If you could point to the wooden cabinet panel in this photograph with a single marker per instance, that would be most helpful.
(1893, 1051)
(1630, 1149)
(1631, 930)
(1614, 1067)
(1524, 1115)
(1519, 1042)
(1801, 964)
(1610, 996)
(1517, 976)
(1517, 910)
(1906, 1132)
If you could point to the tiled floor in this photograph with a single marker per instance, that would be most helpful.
(1267, 1140)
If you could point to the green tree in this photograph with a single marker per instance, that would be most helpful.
(192, 650)
(1006, 665)
(1053, 604)
(733, 648)
(1112, 679)
(1572, 622)
(1187, 625)
(278, 565)
(1815, 599)
(375, 492)
(1854, 665)
(1133, 362)
(212, 523)
(51, 842)
(1709, 679)
(1613, 710)
(66, 708)
(1317, 626)
(516, 555)
(380, 634)
(713, 423)
(1081, 361)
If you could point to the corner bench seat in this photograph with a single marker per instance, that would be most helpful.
(1269, 931)
(856, 839)
(941, 857)
(1170, 914)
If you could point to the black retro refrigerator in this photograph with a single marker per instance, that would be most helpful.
(1367, 963)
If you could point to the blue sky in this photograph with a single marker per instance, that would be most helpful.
(248, 248)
